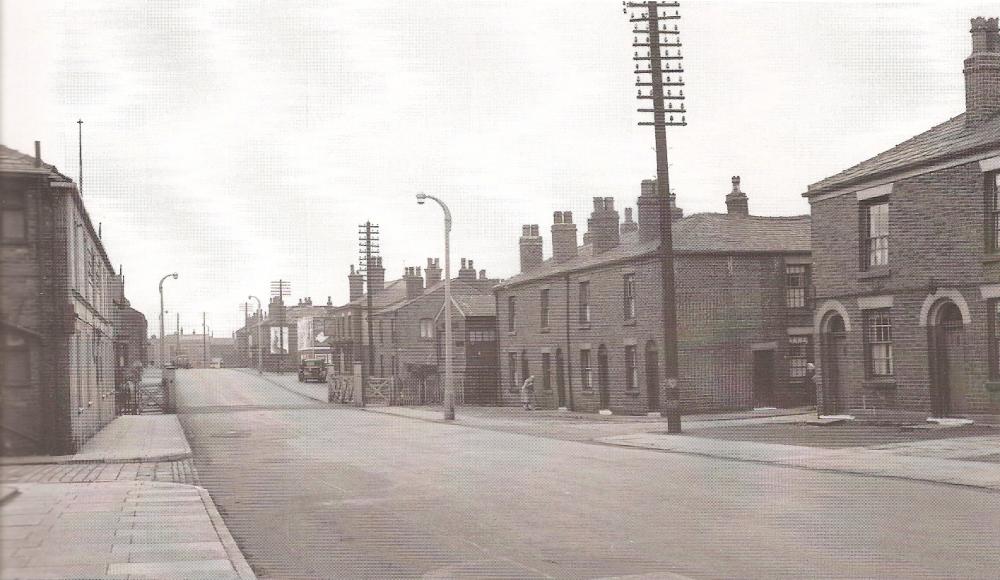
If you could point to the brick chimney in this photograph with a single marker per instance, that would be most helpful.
(468, 271)
(482, 275)
(563, 236)
(376, 276)
(414, 282)
(628, 226)
(530, 245)
(432, 273)
(355, 284)
(982, 72)
(736, 200)
(603, 225)
(648, 204)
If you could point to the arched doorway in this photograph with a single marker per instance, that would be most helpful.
(834, 362)
(950, 385)
(602, 377)
(652, 377)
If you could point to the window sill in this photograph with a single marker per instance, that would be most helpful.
(991, 258)
(511, 333)
(880, 384)
(880, 272)
(633, 392)
(992, 386)
(584, 327)
(544, 330)
(629, 322)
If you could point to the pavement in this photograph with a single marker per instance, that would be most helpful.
(125, 506)
(310, 489)
(116, 530)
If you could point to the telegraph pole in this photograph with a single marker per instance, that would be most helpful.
(204, 342)
(79, 136)
(653, 33)
(368, 239)
(281, 288)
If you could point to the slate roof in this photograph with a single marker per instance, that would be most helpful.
(13, 161)
(469, 298)
(698, 233)
(949, 139)
(393, 292)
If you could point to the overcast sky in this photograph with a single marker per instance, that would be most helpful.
(241, 142)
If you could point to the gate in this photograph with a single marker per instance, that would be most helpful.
(380, 391)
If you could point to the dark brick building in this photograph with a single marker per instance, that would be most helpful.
(409, 336)
(60, 302)
(269, 337)
(906, 248)
(587, 321)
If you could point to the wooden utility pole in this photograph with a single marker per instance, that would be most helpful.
(368, 240)
(653, 34)
(204, 342)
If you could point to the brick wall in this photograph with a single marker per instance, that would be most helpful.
(726, 305)
(936, 253)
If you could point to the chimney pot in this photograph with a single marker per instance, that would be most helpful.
(482, 274)
(567, 217)
(557, 217)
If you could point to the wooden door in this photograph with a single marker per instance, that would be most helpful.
(763, 378)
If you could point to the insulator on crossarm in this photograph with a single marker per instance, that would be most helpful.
(682, 92)
(684, 119)
(639, 93)
(668, 93)
(671, 120)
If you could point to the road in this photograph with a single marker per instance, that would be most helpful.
(315, 490)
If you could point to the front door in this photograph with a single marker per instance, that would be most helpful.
(763, 378)
(834, 397)
(952, 383)
(560, 379)
(652, 378)
(602, 376)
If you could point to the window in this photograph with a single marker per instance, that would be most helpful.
(993, 211)
(796, 283)
(630, 367)
(512, 367)
(546, 371)
(629, 293)
(875, 233)
(16, 368)
(482, 335)
(545, 307)
(878, 343)
(584, 302)
(799, 355)
(426, 328)
(586, 373)
(13, 224)
(525, 372)
(994, 333)
(511, 312)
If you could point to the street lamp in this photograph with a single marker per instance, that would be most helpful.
(174, 276)
(449, 387)
(260, 319)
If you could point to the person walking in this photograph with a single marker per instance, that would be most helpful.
(528, 393)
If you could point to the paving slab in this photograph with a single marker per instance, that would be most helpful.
(116, 530)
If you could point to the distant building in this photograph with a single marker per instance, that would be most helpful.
(196, 350)
(271, 337)
(60, 301)
(409, 336)
(587, 322)
(906, 247)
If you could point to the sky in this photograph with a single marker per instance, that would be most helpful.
(239, 142)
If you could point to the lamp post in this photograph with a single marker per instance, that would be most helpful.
(449, 387)
(260, 319)
(162, 338)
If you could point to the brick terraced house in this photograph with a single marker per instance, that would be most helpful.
(587, 321)
(61, 311)
(906, 250)
(409, 336)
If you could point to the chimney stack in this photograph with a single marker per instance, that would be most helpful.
(38, 153)
(355, 284)
(376, 275)
(736, 200)
(530, 246)
(628, 226)
(603, 225)
(414, 282)
(468, 271)
(432, 272)
(563, 236)
(482, 275)
(982, 72)
(648, 209)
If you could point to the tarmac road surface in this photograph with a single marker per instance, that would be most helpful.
(315, 490)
